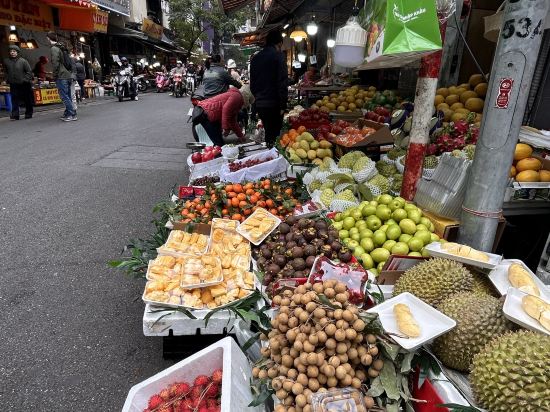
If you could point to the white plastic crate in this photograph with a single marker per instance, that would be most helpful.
(224, 354)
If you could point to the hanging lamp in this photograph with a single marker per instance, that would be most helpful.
(312, 27)
(349, 50)
(298, 34)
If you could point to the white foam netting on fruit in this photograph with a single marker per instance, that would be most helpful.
(341, 187)
(398, 165)
(338, 205)
(341, 170)
(367, 173)
(322, 175)
(428, 173)
(316, 196)
(308, 178)
(375, 190)
(385, 158)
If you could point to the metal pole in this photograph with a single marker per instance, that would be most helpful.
(510, 80)
(426, 87)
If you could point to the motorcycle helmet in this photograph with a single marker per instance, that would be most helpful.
(179, 63)
(231, 64)
(123, 60)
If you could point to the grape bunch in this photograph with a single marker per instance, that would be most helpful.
(236, 166)
(203, 181)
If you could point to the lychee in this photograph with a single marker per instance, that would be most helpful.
(201, 380)
(217, 376)
(155, 401)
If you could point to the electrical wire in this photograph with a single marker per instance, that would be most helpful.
(469, 50)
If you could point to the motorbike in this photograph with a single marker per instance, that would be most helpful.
(190, 83)
(178, 86)
(162, 81)
(124, 85)
(142, 83)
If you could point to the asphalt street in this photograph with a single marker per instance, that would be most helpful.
(71, 195)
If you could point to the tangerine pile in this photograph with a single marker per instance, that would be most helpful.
(238, 201)
(290, 137)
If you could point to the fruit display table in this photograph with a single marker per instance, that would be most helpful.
(319, 90)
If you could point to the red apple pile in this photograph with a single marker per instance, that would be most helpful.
(235, 166)
(208, 153)
(203, 396)
(379, 114)
(311, 118)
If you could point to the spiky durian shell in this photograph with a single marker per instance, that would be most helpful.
(434, 280)
(512, 373)
(479, 318)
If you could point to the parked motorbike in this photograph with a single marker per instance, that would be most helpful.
(190, 83)
(163, 82)
(142, 83)
(177, 84)
(124, 85)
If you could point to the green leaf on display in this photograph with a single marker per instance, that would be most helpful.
(388, 378)
(251, 341)
(406, 363)
(391, 350)
(455, 407)
(364, 192)
(376, 388)
(392, 407)
(325, 301)
(262, 397)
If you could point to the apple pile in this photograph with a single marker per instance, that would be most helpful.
(236, 166)
(330, 131)
(384, 226)
(208, 153)
(379, 114)
(309, 117)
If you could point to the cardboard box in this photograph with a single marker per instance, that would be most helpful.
(371, 143)
(395, 266)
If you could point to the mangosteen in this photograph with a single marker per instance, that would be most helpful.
(279, 260)
(303, 223)
(273, 269)
(281, 237)
(310, 250)
(261, 262)
(330, 239)
(297, 252)
(289, 236)
(284, 228)
(298, 274)
(301, 241)
(310, 260)
(267, 279)
(336, 246)
(321, 225)
(266, 253)
(333, 232)
(326, 250)
(344, 255)
(255, 253)
(310, 234)
(323, 234)
(298, 264)
(317, 243)
(291, 220)
(291, 244)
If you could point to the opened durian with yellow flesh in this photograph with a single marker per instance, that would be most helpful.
(406, 323)
(537, 309)
(522, 279)
(465, 251)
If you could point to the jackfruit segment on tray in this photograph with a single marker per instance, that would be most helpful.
(406, 323)
(538, 309)
(184, 242)
(258, 225)
(464, 251)
(522, 279)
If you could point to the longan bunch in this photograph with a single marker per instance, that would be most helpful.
(315, 347)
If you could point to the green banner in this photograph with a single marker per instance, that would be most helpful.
(399, 31)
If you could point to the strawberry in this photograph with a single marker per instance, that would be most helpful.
(212, 391)
(155, 401)
(217, 376)
(201, 380)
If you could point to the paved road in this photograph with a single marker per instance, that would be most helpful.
(71, 332)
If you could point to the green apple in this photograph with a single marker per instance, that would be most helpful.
(434, 237)
(393, 232)
(349, 222)
(358, 251)
(373, 222)
(385, 199)
(409, 206)
(394, 205)
(365, 233)
(414, 215)
(377, 198)
(425, 221)
(353, 230)
(363, 204)
(400, 248)
(380, 254)
(374, 271)
(399, 214)
(368, 210)
(366, 260)
(415, 254)
(338, 217)
(407, 226)
(405, 238)
(415, 244)
(360, 224)
(373, 203)
(424, 236)
(356, 213)
(384, 227)
(379, 237)
(367, 243)
(391, 222)
(352, 244)
(383, 212)
(346, 241)
(337, 225)
(420, 226)
(356, 236)
(345, 214)
(380, 266)
(432, 227)
(389, 244)
(425, 252)
(343, 234)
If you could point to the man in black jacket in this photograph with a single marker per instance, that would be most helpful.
(20, 81)
(268, 82)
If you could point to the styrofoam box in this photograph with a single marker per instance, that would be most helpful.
(513, 310)
(434, 249)
(224, 354)
(499, 277)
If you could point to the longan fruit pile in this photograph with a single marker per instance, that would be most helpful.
(313, 347)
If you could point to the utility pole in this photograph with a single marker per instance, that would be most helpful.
(509, 83)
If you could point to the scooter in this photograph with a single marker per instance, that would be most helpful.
(190, 84)
(142, 83)
(177, 84)
(124, 85)
(163, 82)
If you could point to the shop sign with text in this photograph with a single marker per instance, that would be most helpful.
(120, 6)
(152, 29)
(26, 14)
(101, 21)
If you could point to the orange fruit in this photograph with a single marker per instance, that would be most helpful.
(235, 202)
(241, 196)
(238, 188)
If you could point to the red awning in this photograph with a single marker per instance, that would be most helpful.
(69, 3)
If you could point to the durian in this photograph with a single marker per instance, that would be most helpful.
(479, 318)
(434, 280)
(512, 373)
(483, 286)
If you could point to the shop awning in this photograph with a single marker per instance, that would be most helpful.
(69, 3)
(229, 6)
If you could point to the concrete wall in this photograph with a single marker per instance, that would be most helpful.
(138, 10)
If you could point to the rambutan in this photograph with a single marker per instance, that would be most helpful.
(204, 409)
(165, 408)
(155, 401)
(211, 403)
(165, 394)
(201, 380)
(217, 408)
(217, 376)
(212, 391)
(196, 392)
(182, 388)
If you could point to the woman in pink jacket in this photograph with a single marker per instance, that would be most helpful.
(218, 114)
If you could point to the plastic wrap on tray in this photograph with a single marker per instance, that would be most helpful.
(164, 268)
(201, 271)
(180, 242)
(258, 226)
(338, 400)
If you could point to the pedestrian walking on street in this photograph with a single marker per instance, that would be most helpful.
(218, 115)
(63, 67)
(20, 81)
(268, 82)
(80, 77)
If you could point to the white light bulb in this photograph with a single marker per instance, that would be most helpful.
(331, 43)
(312, 29)
(301, 57)
(283, 34)
(298, 39)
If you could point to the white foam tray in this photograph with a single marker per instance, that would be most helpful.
(434, 249)
(224, 354)
(432, 322)
(499, 277)
(514, 311)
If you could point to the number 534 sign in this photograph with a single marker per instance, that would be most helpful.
(522, 27)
